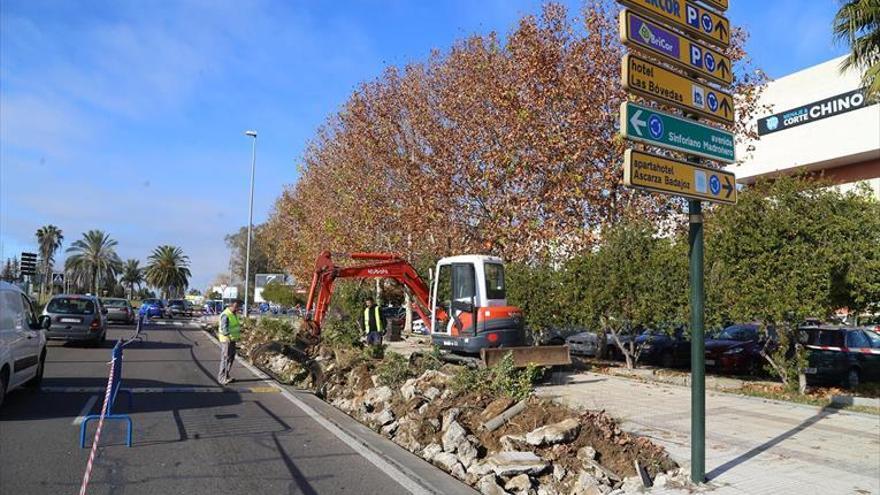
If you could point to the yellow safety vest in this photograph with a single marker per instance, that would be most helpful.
(234, 327)
(378, 320)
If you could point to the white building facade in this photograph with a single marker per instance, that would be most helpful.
(819, 122)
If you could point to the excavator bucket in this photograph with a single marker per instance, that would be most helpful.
(550, 355)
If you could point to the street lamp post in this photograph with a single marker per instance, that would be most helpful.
(247, 257)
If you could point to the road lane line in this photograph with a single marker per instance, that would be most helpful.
(87, 408)
(164, 390)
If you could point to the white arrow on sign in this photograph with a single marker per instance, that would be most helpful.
(636, 123)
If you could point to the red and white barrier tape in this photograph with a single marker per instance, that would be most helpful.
(88, 473)
(861, 350)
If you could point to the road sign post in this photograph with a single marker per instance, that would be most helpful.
(654, 34)
(698, 344)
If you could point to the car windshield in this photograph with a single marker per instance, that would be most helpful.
(71, 306)
(175, 302)
(153, 302)
(739, 332)
(114, 303)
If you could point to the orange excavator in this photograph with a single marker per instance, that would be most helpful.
(465, 309)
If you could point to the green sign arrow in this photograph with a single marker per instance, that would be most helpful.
(668, 131)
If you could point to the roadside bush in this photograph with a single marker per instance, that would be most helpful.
(340, 332)
(394, 370)
(501, 380)
(374, 351)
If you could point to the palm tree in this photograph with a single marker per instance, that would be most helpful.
(857, 23)
(168, 269)
(49, 239)
(93, 260)
(132, 274)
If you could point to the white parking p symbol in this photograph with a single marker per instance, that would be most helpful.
(696, 56)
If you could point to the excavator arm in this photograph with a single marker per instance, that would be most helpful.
(375, 265)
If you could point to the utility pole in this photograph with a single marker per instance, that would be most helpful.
(247, 258)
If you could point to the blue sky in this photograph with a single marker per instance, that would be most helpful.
(128, 116)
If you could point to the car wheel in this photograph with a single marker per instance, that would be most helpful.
(4, 382)
(667, 360)
(38, 378)
(852, 378)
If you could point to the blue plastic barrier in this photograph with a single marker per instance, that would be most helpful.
(115, 388)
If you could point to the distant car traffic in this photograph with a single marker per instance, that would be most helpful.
(840, 355)
(153, 308)
(179, 307)
(666, 350)
(22, 341)
(76, 318)
(737, 349)
(118, 310)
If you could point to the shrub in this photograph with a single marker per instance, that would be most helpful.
(502, 380)
(340, 332)
(394, 370)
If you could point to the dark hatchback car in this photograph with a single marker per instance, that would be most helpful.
(737, 349)
(664, 349)
(76, 318)
(841, 355)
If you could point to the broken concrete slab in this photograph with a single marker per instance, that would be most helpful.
(563, 431)
(453, 435)
(489, 486)
(520, 483)
(516, 462)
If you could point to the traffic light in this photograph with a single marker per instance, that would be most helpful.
(28, 264)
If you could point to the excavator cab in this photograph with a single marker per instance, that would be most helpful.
(470, 291)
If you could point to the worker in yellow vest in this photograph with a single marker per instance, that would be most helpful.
(373, 324)
(228, 333)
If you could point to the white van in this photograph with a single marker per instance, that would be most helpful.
(22, 341)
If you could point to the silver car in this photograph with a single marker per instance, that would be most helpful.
(76, 318)
(118, 310)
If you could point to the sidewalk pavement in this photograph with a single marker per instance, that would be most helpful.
(753, 446)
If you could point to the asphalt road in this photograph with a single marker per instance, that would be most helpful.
(190, 435)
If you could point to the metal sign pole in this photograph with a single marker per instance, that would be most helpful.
(698, 356)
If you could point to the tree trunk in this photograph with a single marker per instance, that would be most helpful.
(602, 344)
(407, 302)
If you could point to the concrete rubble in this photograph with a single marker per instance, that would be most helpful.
(535, 454)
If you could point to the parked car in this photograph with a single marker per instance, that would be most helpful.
(22, 341)
(737, 349)
(419, 327)
(179, 307)
(76, 318)
(153, 308)
(841, 355)
(118, 310)
(583, 343)
(664, 349)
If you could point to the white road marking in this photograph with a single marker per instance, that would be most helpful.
(161, 390)
(87, 408)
